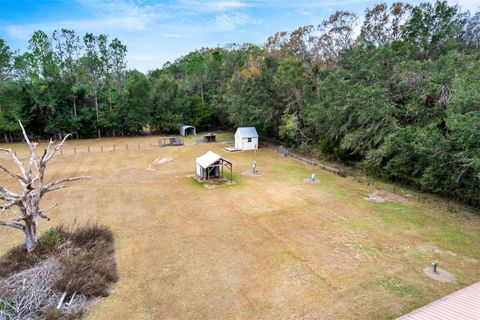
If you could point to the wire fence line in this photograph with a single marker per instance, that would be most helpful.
(94, 148)
(83, 148)
(311, 162)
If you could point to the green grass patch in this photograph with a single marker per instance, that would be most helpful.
(402, 289)
(457, 239)
(417, 256)
(295, 171)
(195, 182)
(292, 170)
(357, 224)
(369, 249)
(237, 182)
(398, 216)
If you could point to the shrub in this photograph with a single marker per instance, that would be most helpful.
(86, 256)
(92, 269)
(49, 240)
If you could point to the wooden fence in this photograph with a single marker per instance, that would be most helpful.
(311, 162)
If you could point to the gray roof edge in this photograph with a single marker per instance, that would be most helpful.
(249, 132)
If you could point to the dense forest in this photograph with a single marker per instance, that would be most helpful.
(401, 97)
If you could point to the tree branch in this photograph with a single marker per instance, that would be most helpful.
(46, 188)
(56, 149)
(15, 225)
(13, 174)
(42, 213)
(57, 188)
(6, 194)
(17, 161)
(8, 205)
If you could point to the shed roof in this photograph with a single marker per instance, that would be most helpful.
(461, 305)
(208, 159)
(247, 132)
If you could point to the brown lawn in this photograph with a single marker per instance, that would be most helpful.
(267, 247)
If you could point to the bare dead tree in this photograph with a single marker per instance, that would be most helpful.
(31, 180)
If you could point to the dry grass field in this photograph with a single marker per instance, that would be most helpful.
(268, 247)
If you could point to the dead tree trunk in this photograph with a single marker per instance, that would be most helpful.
(31, 180)
(30, 234)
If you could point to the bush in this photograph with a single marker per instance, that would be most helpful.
(49, 240)
(86, 255)
(93, 269)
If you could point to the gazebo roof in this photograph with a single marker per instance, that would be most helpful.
(208, 159)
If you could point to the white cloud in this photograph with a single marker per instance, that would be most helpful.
(108, 15)
(471, 5)
(225, 5)
(211, 6)
(230, 22)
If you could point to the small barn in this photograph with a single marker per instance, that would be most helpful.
(187, 130)
(246, 138)
(211, 166)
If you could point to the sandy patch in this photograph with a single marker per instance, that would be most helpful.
(158, 162)
(441, 275)
(432, 249)
(381, 196)
(249, 173)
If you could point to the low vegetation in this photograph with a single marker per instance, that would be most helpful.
(76, 264)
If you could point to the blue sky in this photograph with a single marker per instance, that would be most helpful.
(159, 31)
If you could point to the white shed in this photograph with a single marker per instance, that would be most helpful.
(246, 138)
(211, 165)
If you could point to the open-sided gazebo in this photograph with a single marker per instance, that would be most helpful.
(211, 166)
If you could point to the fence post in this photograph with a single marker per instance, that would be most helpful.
(126, 146)
(139, 146)
(88, 147)
(61, 151)
(113, 147)
(74, 150)
(101, 148)
(150, 144)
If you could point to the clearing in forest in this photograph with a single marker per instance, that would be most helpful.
(266, 247)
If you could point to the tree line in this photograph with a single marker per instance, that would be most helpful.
(401, 98)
